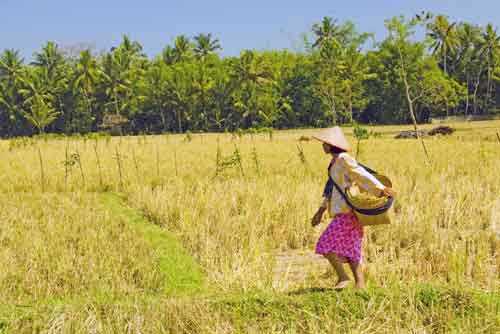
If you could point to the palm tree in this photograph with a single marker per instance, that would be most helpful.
(325, 31)
(11, 65)
(182, 48)
(467, 58)
(38, 99)
(205, 45)
(168, 55)
(490, 49)
(443, 35)
(50, 58)
(12, 73)
(41, 113)
(123, 71)
(222, 90)
(116, 84)
(55, 73)
(249, 76)
(133, 48)
(356, 71)
(87, 74)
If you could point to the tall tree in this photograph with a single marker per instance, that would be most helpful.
(356, 72)
(490, 51)
(251, 76)
(123, 72)
(326, 31)
(181, 91)
(399, 33)
(41, 112)
(443, 35)
(205, 45)
(12, 73)
(55, 74)
(168, 55)
(86, 78)
(183, 48)
(330, 64)
(467, 60)
(38, 99)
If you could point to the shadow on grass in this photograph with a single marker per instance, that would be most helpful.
(304, 291)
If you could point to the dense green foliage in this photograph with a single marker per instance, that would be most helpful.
(337, 78)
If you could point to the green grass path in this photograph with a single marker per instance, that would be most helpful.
(438, 309)
(182, 272)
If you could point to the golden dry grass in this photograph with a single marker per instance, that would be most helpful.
(444, 230)
(58, 246)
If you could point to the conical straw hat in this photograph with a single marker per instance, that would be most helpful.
(333, 136)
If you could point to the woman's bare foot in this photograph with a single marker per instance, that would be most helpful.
(342, 284)
(359, 278)
(360, 285)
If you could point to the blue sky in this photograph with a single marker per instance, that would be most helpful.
(256, 24)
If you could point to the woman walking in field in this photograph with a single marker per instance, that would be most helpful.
(341, 241)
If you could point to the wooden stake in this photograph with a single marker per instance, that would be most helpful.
(42, 174)
(157, 162)
(136, 166)
(118, 162)
(79, 160)
(66, 162)
(98, 162)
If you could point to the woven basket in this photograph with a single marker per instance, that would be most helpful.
(365, 200)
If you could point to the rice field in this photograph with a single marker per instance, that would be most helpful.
(233, 204)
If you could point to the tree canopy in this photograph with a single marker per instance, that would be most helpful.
(453, 70)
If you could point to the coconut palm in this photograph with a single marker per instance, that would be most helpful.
(116, 81)
(325, 31)
(250, 76)
(11, 65)
(55, 73)
(87, 75)
(205, 45)
(38, 100)
(123, 72)
(168, 55)
(41, 113)
(51, 58)
(467, 59)
(443, 36)
(133, 48)
(11, 80)
(182, 48)
(490, 51)
(355, 72)
(11, 73)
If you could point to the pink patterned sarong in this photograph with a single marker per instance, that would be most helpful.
(343, 236)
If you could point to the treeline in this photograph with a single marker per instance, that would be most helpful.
(455, 70)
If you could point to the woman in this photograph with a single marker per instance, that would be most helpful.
(341, 241)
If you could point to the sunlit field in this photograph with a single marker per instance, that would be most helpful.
(234, 202)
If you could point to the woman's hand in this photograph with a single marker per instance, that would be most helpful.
(316, 220)
(389, 192)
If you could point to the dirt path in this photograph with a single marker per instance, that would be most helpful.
(300, 268)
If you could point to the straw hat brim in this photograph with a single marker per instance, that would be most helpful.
(334, 137)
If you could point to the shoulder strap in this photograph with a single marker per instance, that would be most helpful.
(368, 169)
(369, 212)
